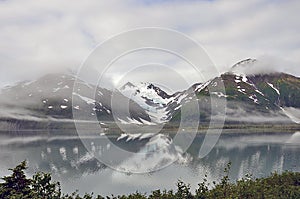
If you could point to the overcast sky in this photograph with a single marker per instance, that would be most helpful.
(39, 36)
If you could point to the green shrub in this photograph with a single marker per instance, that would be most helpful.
(285, 185)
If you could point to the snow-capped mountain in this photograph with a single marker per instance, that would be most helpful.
(49, 99)
(254, 98)
(158, 104)
(151, 98)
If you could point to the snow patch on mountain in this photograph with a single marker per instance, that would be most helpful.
(258, 91)
(200, 87)
(143, 92)
(181, 97)
(86, 99)
(219, 94)
(254, 98)
(150, 98)
(272, 86)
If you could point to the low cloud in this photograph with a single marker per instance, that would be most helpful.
(239, 114)
(40, 37)
(267, 64)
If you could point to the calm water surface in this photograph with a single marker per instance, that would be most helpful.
(76, 168)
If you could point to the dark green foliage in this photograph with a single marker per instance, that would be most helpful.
(16, 185)
(161, 195)
(43, 188)
(183, 191)
(285, 185)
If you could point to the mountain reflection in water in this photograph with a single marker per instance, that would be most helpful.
(69, 161)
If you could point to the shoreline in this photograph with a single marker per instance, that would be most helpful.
(112, 130)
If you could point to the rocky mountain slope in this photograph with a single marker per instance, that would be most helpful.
(49, 100)
(254, 98)
(251, 98)
(158, 104)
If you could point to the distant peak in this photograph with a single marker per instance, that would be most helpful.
(152, 86)
(243, 63)
(128, 84)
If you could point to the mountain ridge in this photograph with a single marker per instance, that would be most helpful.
(273, 97)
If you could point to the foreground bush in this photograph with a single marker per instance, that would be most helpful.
(285, 185)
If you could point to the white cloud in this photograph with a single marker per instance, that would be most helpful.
(38, 36)
(265, 65)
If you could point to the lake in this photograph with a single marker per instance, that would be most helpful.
(66, 157)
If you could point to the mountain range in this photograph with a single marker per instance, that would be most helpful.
(253, 98)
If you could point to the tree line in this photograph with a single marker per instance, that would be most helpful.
(40, 186)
